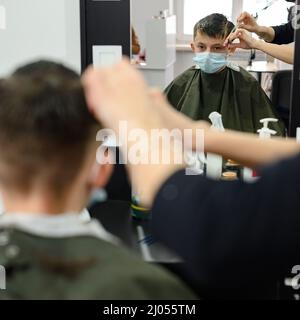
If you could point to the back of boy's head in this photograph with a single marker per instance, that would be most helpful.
(46, 129)
(215, 26)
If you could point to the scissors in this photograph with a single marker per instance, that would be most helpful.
(232, 31)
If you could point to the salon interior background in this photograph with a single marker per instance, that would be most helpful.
(58, 34)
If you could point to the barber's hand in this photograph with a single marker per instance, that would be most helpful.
(247, 21)
(245, 40)
(118, 94)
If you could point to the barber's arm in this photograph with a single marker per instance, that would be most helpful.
(284, 34)
(120, 94)
(245, 148)
(248, 149)
(284, 52)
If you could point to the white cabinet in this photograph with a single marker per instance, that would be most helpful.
(160, 51)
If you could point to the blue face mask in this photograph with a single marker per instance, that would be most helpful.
(210, 62)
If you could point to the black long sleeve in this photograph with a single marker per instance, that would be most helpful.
(233, 235)
(284, 34)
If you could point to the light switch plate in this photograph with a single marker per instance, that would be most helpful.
(105, 56)
(2, 18)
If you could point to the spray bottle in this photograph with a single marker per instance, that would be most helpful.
(214, 164)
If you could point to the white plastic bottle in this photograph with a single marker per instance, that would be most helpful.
(298, 135)
(214, 163)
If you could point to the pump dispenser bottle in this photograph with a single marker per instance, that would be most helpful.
(264, 133)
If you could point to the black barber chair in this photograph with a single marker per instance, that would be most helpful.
(281, 94)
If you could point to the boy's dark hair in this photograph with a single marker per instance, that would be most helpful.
(215, 26)
(45, 127)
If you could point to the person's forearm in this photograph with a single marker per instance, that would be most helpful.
(148, 177)
(266, 33)
(248, 149)
(245, 148)
(282, 52)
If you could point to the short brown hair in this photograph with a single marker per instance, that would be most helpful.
(215, 26)
(45, 127)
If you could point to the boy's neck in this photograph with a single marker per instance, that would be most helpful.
(38, 204)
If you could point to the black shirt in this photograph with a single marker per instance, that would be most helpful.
(284, 34)
(233, 236)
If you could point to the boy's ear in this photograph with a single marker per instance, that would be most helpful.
(193, 46)
(100, 175)
(102, 168)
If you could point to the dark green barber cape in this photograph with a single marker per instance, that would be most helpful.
(233, 92)
(81, 266)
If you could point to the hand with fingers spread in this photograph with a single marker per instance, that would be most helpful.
(246, 41)
(248, 22)
(118, 93)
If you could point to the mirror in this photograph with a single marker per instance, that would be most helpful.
(263, 67)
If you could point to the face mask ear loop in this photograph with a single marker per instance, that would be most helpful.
(227, 60)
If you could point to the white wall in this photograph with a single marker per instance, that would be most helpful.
(51, 29)
(184, 60)
(40, 29)
(143, 10)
